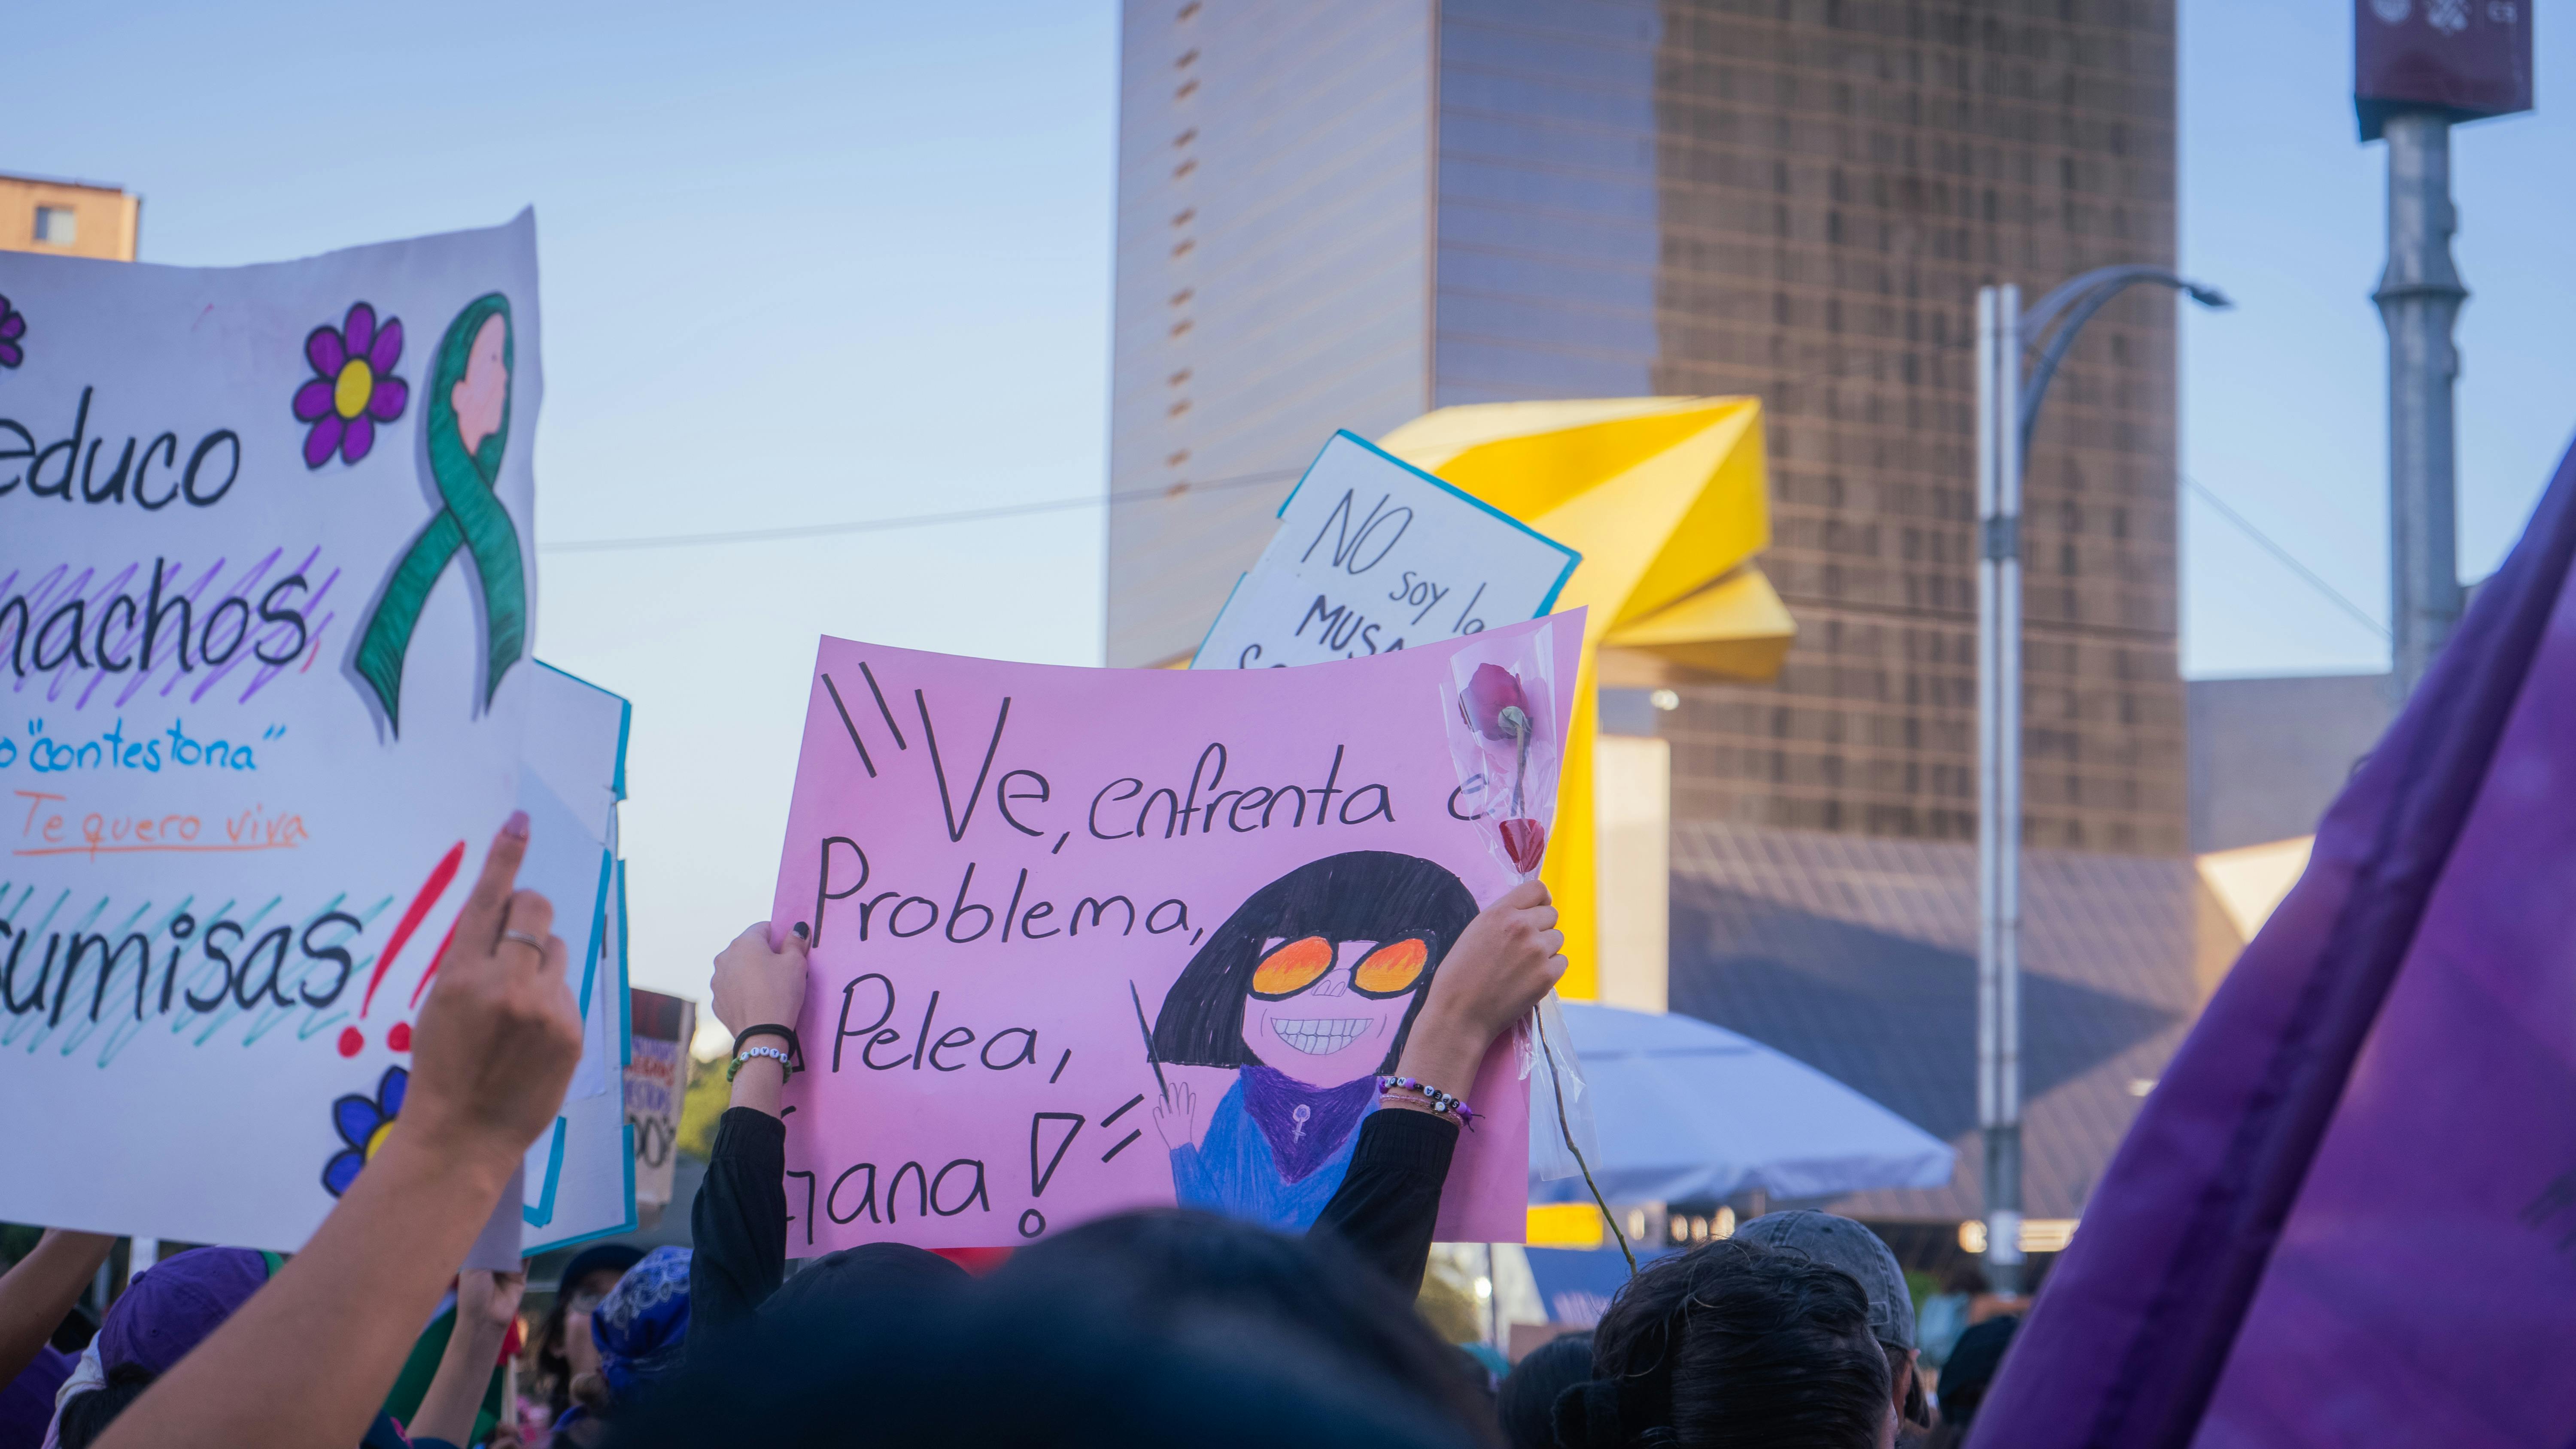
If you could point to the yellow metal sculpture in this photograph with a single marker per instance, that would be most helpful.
(1668, 501)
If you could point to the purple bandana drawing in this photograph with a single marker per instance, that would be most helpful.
(1307, 992)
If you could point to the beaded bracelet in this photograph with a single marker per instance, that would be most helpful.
(1439, 1101)
(747, 1053)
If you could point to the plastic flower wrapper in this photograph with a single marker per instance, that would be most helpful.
(1503, 739)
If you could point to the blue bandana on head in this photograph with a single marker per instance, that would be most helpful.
(642, 1326)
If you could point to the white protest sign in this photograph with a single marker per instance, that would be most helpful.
(657, 1086)
(267, 583)
(1372, 555)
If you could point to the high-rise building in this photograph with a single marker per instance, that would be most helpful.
(1343, 213)
(68, 218)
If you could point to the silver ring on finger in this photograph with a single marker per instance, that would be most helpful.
(524, 939)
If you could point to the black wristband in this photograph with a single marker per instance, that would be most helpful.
(795, 1048)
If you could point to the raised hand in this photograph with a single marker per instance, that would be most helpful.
(1502, 964)
(500, 1034)
(757, 983)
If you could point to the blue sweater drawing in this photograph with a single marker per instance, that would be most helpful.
(1275, 1149)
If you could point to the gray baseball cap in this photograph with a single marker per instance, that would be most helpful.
(1844, 1244)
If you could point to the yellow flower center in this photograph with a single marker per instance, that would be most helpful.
(376, 1138)
(357, 383)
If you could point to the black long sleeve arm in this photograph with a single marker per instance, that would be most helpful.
(740, 1224)
(1389, 1201)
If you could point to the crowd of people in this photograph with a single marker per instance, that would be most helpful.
(1145, 1328)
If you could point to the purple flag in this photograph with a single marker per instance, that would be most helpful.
(2347, 1214)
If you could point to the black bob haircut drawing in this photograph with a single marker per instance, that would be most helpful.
(1360, 895)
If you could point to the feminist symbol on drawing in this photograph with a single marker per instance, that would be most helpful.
(469, 424)
(1322, 972)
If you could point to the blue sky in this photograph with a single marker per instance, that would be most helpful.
(2283, 399)
(823, 262)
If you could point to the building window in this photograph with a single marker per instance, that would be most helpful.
(57, 226)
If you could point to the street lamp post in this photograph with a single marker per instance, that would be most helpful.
(2007, 411)
(2419, 298)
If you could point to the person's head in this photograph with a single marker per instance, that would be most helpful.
(1026, 1364)
(1972, 1368)
(168, 1310)
(856, 1279)
(1526, 1403)
(1838, 1242)
(1734, 1344)
(585, 1281)
(1321, 972)
(641, 1329)
(1163, 1266)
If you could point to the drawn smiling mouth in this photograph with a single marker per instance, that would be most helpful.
(1320, 1036)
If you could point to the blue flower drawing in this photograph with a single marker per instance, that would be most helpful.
(363, 1122)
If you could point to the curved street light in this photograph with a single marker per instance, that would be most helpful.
(2079, 298)
(2007, 412)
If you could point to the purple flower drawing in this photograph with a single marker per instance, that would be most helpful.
(354, 387)
(13, 325)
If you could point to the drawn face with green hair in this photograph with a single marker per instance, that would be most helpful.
(482, 396)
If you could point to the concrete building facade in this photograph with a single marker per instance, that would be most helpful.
(1343, 213)
(69, 218)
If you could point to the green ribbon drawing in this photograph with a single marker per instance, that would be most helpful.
(473, 519)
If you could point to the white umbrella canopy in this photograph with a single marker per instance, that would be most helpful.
(1688, 1110)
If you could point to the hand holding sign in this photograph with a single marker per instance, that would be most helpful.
(1503, 963)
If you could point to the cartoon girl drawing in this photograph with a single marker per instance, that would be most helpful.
(1307, 991)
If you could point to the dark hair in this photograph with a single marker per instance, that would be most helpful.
(87, 1414)
(1527, 1401)
(856, 1279)
(1359, 895)
(1026, 1366)
(1163, 1264)
(1733, 1344)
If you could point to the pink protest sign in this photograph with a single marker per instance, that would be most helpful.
(1087, 940)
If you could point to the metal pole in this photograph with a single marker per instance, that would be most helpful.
(1999, 775)
(2419, 299)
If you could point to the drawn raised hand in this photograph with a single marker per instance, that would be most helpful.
(1176, 1117)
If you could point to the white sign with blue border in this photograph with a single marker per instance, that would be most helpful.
(1374, 555)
